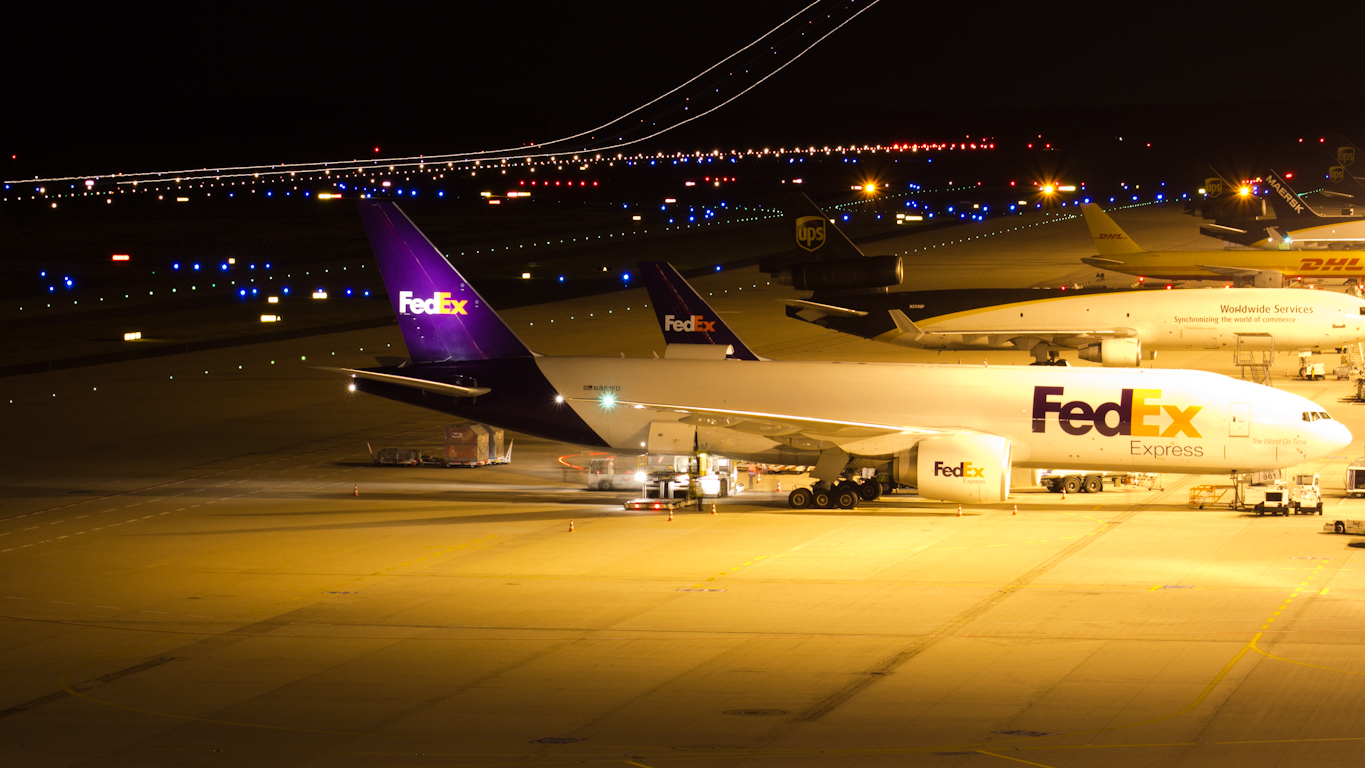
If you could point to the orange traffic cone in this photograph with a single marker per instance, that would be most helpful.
(570, 526)
(670, 515)
(713, 507)
(959, 510)
(1016, 509)
(357, 489)
(1063, 494)
(779, 486)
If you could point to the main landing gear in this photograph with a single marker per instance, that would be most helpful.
(844, 494)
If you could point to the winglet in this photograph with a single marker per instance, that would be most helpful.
(684, 316)
(1110, 240)
(905, 324)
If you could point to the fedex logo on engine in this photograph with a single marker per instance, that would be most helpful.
(439, 304)
(965, 469)
(693, 323)
(1129, 416)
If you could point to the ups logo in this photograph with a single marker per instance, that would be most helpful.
(810, 232)
(1336, 173)
(1214, 187)
(1346, 155)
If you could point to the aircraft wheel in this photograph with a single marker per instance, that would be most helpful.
(870, 491)
(1340, 527)
(822, 499)
(1071, 485)
(799, 498)
(605, 485)
(1092, 484)
(1260, 509)
(846, 498)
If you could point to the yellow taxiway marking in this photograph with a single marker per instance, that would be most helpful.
(1015, 759)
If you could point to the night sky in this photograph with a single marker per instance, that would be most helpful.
(106, 88)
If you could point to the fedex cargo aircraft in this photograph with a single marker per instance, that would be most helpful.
(952, 431)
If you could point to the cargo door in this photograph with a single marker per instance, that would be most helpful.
(671, 438)
(1239, 420)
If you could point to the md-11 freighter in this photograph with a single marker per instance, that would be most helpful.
(1113, 327)
(954, 432)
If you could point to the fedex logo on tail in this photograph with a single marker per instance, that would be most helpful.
(439, 304)
(693, 323)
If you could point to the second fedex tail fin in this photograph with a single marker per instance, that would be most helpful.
(1110, 240)
(684, 316)
(1287, 204)
(441, 316)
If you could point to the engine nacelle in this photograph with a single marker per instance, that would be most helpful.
(1121, 353)
(844, 274)
(961, 468)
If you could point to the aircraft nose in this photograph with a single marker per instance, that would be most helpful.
(1339, 435)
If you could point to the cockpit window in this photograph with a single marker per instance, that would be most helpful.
(1307, 416)
(1323, 415)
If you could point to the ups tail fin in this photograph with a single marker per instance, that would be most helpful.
(440, 315)
(1286, 202)
(1110, 240)
(684, 316)
(816, 233)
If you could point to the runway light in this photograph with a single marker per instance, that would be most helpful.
(122, 257)
(1067, 188)
(1244, 191)
(270, 318)
(134, 336)
(319, 294)
(525, 275)
(182, 199)
(272, 299)
(634, 218)
(1048, 189)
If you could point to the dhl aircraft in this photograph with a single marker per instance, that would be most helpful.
(954, 432)
(1118, 253)
(1104, 325)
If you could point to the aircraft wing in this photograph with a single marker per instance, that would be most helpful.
(861, 438)
(1066, 337)
(426, 385)
(823, 310)
(1230, 271)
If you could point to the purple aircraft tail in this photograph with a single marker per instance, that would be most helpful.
(441, 316)
(683, 315)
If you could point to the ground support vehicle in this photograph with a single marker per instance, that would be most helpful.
(1355, 478)
(1305, 495)
(659, 504)
(1081, 480)
(1264, 499)
(398, 457)
(1344, 526)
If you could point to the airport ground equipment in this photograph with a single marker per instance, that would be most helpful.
(398, 457)
(1305, 495)
(1208, 495)
(1310, 370)
(1355, 478)
(660, 504)
(475, 445)
(1344, 526)
(1271, 499)
(953, 432)
(1081, 480)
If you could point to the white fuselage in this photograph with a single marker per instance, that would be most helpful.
(1117, 419)
(1161, 319)
(1326, 235)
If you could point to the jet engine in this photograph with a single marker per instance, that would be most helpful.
(962, 468)
(842, 275)
(1122, 353)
